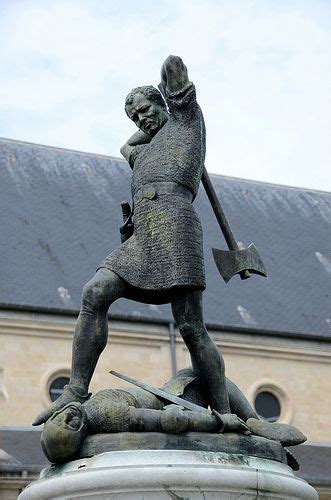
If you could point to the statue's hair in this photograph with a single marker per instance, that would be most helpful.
(149, 92)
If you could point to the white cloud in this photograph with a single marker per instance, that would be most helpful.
(262, 70)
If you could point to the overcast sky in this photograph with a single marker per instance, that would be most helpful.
(262, 71)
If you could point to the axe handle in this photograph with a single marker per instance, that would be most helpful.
(220, 216)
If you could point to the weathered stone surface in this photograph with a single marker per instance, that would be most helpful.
(194, 441)
(164, 474)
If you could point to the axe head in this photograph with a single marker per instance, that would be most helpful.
(231, 262)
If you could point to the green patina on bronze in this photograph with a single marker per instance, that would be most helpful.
(160, 260)
(80, 430)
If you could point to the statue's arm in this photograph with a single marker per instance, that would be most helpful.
(136, 139)
(174, 77)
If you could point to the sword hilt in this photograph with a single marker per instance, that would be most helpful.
(126, 210)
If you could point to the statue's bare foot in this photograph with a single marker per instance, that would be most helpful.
(69, 395)
(230, 422)
(288, 435)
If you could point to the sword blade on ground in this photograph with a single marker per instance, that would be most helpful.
(162, 394)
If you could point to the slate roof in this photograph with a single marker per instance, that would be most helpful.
(20, 448)
(315, 462)
(60, 217)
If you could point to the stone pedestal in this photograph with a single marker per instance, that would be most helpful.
(169, 474)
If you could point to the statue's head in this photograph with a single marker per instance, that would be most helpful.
(64, 433)
(146, 108)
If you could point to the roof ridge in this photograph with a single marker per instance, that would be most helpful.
(25, 428)
(275, 184)
(59, 148)
(100, 155)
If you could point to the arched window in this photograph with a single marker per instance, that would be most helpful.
(56, 387)
(271, 401)
(267, 406)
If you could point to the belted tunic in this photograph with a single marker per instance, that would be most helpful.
(165, 252)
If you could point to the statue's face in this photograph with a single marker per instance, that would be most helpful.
(64, 433)
(148, 115)
(70, 417)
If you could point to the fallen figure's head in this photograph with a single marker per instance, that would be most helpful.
(64, 433)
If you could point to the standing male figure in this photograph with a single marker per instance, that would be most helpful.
(162, 262)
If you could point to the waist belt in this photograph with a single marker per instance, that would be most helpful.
(155, 189)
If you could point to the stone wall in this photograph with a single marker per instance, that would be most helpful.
(35, 348)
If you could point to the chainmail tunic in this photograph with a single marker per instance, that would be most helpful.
(166, 251)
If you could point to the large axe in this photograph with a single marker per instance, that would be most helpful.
(235, 260)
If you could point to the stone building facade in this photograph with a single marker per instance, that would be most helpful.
(37, 350)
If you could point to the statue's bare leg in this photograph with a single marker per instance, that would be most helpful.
(90, 337)
(206, 360)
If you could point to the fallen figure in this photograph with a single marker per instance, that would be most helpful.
(136, 410)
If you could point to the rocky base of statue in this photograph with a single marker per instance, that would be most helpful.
(194, 465)
(163, 474)
(231, 443)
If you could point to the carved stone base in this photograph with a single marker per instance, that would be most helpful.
(195, 441)
(164, 474)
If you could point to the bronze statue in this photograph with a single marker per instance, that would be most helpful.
(136, 410)
(162, 261)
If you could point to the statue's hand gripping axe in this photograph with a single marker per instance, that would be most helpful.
(235, 260)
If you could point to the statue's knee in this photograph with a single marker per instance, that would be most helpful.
(93, 297)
